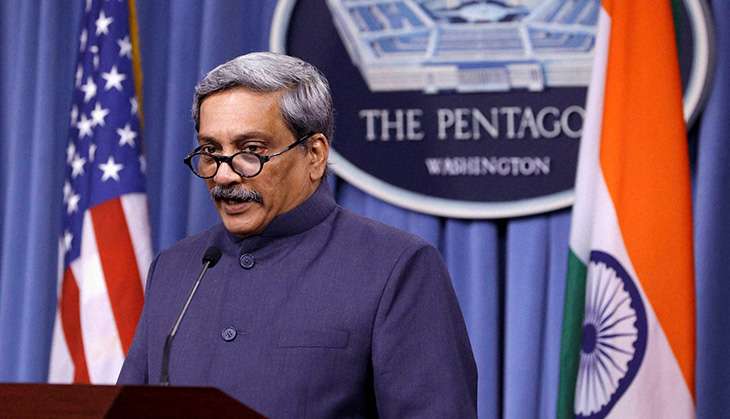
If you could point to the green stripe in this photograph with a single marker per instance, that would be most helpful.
(676, 7)
(575, 291)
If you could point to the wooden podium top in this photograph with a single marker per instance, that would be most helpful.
(94, 401)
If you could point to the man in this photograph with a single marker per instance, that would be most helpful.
(312, 311)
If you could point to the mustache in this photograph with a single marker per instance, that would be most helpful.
(235, 193)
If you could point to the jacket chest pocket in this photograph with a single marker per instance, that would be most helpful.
(313, 338)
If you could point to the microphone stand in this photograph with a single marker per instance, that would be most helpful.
(212, 254)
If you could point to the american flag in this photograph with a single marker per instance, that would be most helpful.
(104, 248)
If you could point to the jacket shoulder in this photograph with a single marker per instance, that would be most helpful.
(376, 234)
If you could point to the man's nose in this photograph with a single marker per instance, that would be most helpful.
(226, 175)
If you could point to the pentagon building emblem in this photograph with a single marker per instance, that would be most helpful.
(463, 108)
(468, 46)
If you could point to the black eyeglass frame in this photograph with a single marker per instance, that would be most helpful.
(229, 159)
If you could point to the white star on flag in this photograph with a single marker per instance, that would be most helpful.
(73, 203)
(77, 166)
(70, 152)
(125, 47)
(111, 170)
(92, 151)
(84, 38)
(126, 135)
(113, 79)
(84, 126)
(98, 115)
(142, 164)
(67, 191)
(89, 89)
(79, 75)
(133, 104)
(74, 115)
(95, 56)
(67, 239)
(102, 23)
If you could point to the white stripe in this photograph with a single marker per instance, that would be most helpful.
(605, 234)
(60, 269)
(104, 354)
(584, 219)
(61, 369)
(135, 211)
(659, 390)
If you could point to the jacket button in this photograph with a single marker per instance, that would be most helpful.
(247, 261)
(228, 334)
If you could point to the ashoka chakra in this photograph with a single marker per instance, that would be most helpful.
(614, 337)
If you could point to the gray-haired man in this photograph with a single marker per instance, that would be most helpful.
(312, 311)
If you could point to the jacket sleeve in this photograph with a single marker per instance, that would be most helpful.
(423, 365)
(135, 370)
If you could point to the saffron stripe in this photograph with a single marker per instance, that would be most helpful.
(71, 318)
(646, 167)
(119, 264)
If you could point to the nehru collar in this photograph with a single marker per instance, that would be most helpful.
(300, 219)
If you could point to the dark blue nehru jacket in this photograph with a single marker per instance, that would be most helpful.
(326, 314)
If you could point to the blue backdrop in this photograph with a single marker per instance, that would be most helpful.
(508, 274)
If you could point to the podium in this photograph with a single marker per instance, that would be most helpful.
(92, 401)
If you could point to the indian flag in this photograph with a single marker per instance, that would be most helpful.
(628, 344)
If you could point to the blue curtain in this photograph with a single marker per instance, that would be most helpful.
(508, 274)
(37, 51)
(712, 232)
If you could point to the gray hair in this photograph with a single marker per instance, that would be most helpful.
(306, 104)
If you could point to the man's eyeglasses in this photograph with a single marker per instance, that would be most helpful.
(205, 165)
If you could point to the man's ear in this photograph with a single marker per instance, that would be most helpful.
(318, 150)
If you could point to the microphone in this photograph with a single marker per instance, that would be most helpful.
(210, 258)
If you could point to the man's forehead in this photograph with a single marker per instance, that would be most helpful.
(240, 112)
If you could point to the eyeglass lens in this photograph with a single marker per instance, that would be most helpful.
(245, 164)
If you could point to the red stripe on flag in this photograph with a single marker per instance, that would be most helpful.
(71, 320)
(119, 264)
